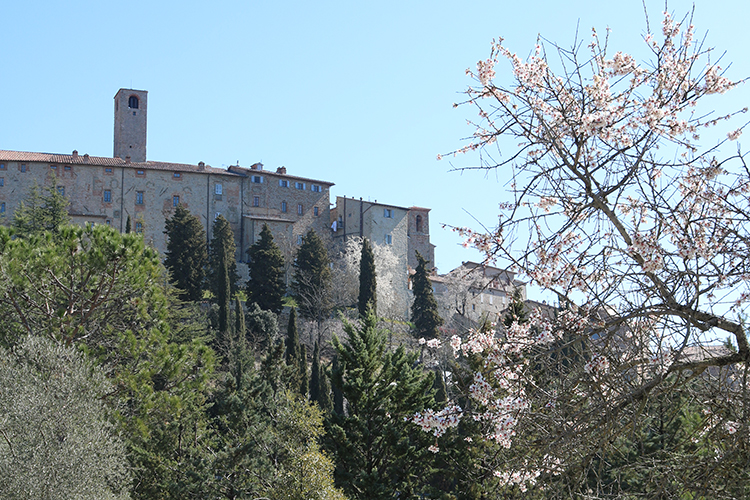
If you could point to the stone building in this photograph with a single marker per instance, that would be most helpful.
(106, 190)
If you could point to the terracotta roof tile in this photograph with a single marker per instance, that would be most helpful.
(103, 161)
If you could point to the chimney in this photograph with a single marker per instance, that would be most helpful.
(127, 160)
(201, 166)
(75, 154)
(281, 170)
(256, 166)
(86, 157)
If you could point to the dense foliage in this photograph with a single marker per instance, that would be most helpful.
(266, 285)
(187, 256)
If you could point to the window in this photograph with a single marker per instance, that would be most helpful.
(2, 181)
(2, 166)
(139, 227)
(107, 196)
(53, 167)
(300, 210)
(315, 211)
(139, 197)
(2, 208)
(108, 222)
(283, 183)
(299, 185)
(218, 189)
(419, 223)
(387, 213)
(257, 179)
(67, 167)
(108, 170)
(283, 206)
(23, 167)
(140, 172)
(176, 175)
(388, 239)
(61, 190)
(175, 200)
(299, 236)
(492, 300)
(133, 102)
(315, 188)
(256, 201)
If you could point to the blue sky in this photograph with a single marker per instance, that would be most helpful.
(356, 93)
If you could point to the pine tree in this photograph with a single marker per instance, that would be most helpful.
(424, 310)
(378, 454)
(43, 209)
(186, 257)
(367, 280)
(266, 268)
(312, 278)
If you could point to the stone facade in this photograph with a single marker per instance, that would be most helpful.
(106, 190)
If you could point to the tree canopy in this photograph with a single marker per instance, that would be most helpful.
(424, 310)
(186, 256)
(628, 210)
(266, 285)
(311, 284)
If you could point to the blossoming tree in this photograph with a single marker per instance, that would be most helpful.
(622, 206)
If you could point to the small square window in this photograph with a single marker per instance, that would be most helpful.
(218, 189)
(67, 167)
(299, 185)
(257, 179)
(53, 167)
(283, 183)
(140, 172)
(61, 190)
(300, 210)
(175, 200)
(315, 211)
(108, 222)
(256, 201)
(2, 166)
(23, 167)
(315, 188)
(108, 170)
(177, 175)
(2, 181)
(387, 213)
(139, 197)
(283, 206)
(107, 196)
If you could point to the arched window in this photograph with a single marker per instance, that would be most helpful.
(419, 223)
(133, 102)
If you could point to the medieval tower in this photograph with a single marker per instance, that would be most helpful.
(131, 107)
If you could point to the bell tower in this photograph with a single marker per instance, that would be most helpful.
(131, 108)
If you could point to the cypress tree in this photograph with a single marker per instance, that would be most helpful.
(266, 268)
(516, 310)
(43, 209)
(324, 395)
(424, 310)
(379, 455)
(302, 370)
(338, 395)
(222, 250)
(315, 374)
(367, 280)
(239, 322)
(292, 339)
(186, 253)
(127, 225)
(312, 278)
